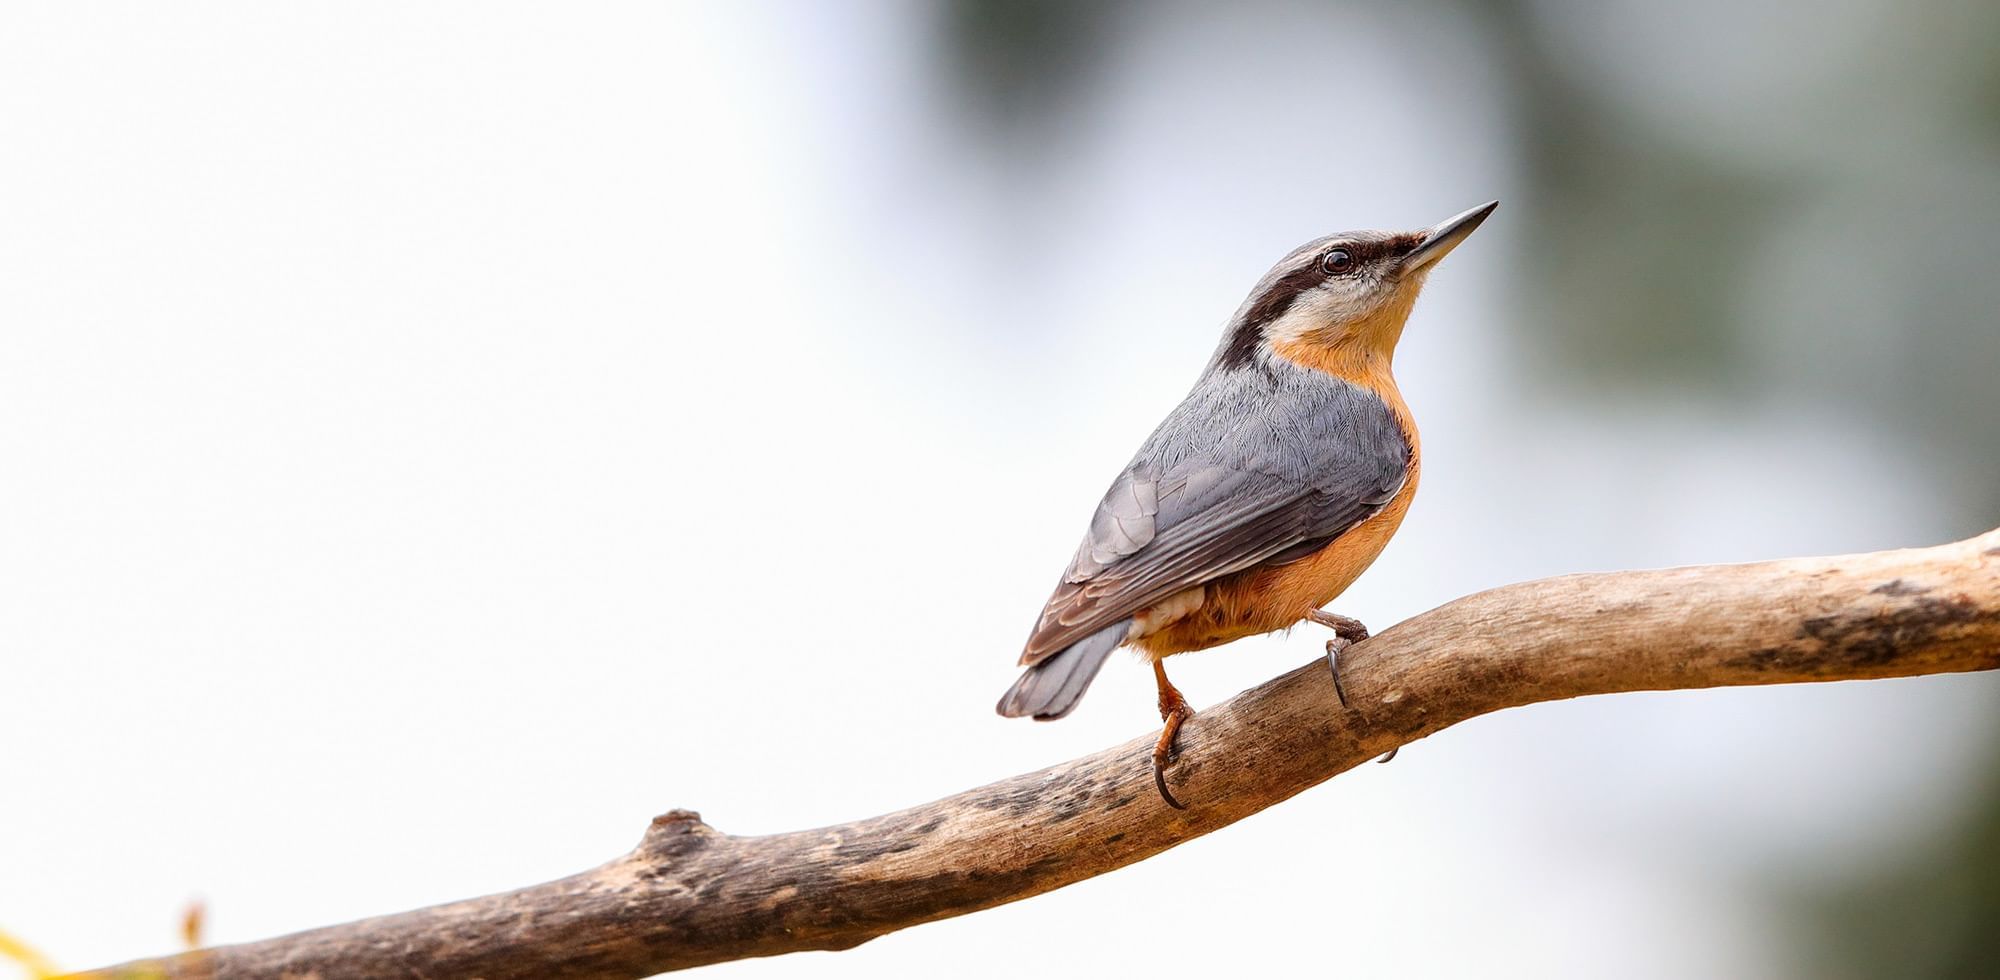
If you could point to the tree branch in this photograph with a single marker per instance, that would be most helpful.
(689, 895)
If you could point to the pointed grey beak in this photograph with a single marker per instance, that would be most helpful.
(1445, 236)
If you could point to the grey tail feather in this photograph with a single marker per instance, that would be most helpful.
(1049, 689)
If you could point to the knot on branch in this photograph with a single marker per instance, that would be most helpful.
(675, 833)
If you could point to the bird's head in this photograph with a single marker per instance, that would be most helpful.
(1343, 298)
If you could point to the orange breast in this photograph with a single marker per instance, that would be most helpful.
(1261, 600)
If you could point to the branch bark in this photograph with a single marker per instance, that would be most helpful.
(689, 895)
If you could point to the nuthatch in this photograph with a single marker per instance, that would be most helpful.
(1266, 492)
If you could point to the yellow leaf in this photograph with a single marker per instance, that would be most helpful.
(37, 965)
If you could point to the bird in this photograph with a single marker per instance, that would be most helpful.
(1264, 494)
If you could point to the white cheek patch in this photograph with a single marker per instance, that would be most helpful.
(1337, 301)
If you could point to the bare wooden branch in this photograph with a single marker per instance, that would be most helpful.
(689, 895)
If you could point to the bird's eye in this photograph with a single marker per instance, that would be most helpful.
(1336, 262)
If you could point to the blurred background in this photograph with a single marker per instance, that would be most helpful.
(438, 438)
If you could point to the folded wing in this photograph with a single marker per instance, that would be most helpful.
(1220, 488)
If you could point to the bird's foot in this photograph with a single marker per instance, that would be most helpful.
(1165, 751)
(1173, 711)
(1347, 631)
(1346, 627)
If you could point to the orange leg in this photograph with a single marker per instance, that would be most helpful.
(1173, 710)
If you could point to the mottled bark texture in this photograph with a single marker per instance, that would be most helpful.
(689, 894)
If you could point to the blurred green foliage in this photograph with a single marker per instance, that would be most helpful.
(1935, 916)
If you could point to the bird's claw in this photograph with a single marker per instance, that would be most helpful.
(1166, 750)
(1347, 631)
(1334, 648)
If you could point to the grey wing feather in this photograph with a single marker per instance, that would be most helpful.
(1051, 688)
(1123, 524)
(1253, 468)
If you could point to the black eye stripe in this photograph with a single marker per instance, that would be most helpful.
(1270, 305)
(1360, 254)
(1276, 299)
